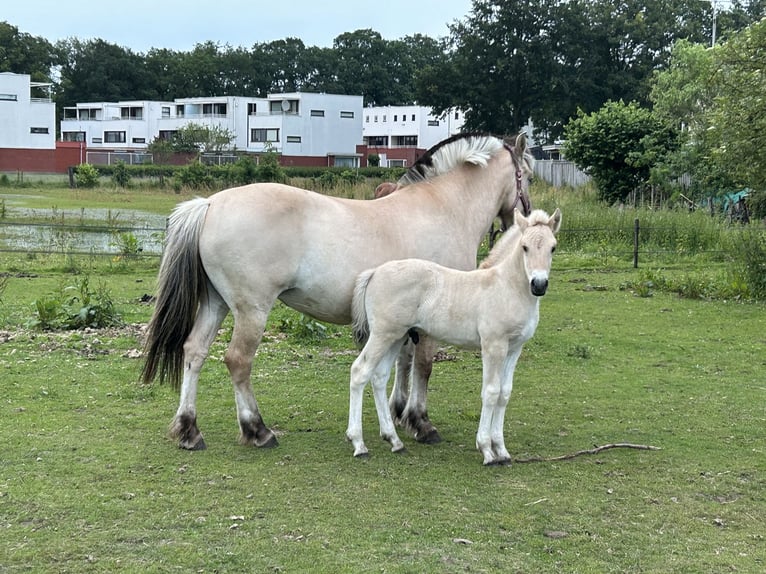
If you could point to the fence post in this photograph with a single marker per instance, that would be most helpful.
(635, 244)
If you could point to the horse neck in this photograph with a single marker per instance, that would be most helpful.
(476, 193)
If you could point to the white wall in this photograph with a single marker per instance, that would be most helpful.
(20, 114)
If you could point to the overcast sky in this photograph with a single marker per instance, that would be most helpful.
(180, 24)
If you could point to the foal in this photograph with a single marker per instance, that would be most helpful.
(494, 308)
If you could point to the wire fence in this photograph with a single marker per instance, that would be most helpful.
(70, 240)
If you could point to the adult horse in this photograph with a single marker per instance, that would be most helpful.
(243, 248)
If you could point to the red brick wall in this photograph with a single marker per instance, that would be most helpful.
(42, 160)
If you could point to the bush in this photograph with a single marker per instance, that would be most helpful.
(120, 174)
(86, 175)
(748, 267)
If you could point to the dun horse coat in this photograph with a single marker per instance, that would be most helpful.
(494, 308)
(242, 249)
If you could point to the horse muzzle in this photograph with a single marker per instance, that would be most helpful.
(538, 286)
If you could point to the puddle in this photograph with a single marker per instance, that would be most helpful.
(82, 231)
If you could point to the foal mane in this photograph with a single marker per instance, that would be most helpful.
(472, 147)
(511, 237)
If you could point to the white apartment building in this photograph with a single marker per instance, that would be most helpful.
(400, 134)
(27, 113)
(305, 128)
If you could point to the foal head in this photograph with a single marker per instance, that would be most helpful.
(538, 242)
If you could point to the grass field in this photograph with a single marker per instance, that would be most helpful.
(90, 483)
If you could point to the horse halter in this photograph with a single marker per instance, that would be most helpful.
(520, 196)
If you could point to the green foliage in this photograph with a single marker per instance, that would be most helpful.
(269, 168)
(76, 306)
(120, 174)
(617, 146)
(86, 175)
(373, 160)
(748, 267)
(196, 175)
(302, 328)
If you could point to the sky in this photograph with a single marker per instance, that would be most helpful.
(181, 24)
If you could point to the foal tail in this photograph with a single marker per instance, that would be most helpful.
(181, 283)
(359, 323)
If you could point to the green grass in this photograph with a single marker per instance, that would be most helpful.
(89, 482)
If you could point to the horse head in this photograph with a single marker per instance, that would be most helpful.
(518, 193)
(538, 242)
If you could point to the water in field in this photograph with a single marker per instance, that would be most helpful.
(85, 231)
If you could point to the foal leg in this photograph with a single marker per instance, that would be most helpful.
(211, 314)
(374, 362)
(248, 331)
(493, 357)
(498, 418)
(415, 415)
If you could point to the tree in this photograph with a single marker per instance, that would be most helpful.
(617, 146)
(22, 53)
(197, 138)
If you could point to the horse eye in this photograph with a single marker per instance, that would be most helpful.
(525, 248)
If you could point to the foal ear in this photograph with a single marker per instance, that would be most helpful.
(519, 220)
(555, 221)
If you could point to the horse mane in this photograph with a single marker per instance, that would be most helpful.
(511, 237)
(469, 147)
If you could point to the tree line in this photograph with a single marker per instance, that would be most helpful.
(505, 62)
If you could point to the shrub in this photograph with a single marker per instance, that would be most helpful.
(86, 175)
(120, 174)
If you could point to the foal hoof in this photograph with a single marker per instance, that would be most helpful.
(431, 437)
(362, 456)
(499, 462)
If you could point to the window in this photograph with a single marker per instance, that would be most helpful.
(73, 136)
(457, 115)
(293, 139)
(180, 111)
(165, 111)
(377, 141)
(114, 137)
(215, 110)
(317, 113)
(139, 140)
(264, 135)
(283, 106)
(376, 119)
(96, 140)
(9, 97)
(346, 161)
(406, 141)
(384, 119)
(131, 113)
(252, 109)
(413, 117)
(38, 130)
(88, 114)
(397, 163)
(433, 123)
(167, 135)
(349, 115)
(396, 118)
(367, 118)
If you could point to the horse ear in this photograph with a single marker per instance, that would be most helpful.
(555, 221)
(521, 143)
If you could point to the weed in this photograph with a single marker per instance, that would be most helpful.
(76, 306)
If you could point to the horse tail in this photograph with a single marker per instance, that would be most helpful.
(181, 283)
(359, 323)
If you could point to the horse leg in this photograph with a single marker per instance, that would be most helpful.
(415, 416)
(498, 418)
(401, 391)
(248, 331)
(211, 314)
(493, 361)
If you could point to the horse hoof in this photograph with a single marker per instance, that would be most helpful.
(431, 437)
(199, 445)
(402, 451)
(362, 456)
(270, 442)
